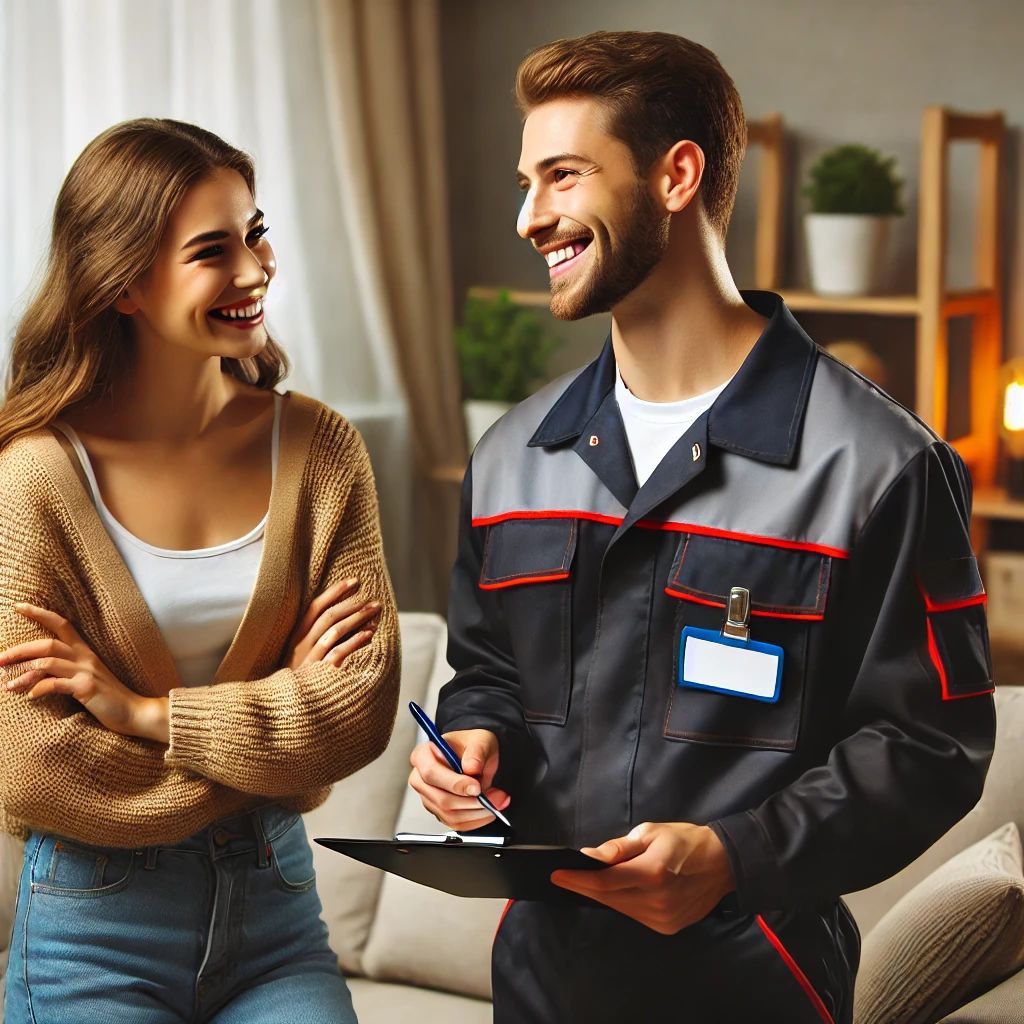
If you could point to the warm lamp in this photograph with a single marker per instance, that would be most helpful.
(1013, 425)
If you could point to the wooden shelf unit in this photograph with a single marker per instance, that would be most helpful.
(934, 304)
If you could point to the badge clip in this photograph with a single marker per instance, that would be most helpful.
(737, 618)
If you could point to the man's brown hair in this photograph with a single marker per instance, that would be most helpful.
(658, 89)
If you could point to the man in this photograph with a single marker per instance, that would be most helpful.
(711, 464)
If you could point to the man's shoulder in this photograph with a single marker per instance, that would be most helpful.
(847, 410)
(520, 423)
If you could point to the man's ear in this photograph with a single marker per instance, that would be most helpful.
(125, 304)
(680, 172)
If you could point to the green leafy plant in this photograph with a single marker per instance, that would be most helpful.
(854, 179)
(503, 349)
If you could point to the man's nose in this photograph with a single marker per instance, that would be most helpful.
(534, 216)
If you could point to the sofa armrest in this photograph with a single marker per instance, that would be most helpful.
(1003, 1004)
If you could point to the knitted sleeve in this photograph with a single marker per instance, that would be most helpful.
(292, 730)
(60, 770)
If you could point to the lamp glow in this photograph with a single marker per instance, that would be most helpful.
(1013, 406)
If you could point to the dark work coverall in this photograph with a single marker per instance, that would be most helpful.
(847, 520)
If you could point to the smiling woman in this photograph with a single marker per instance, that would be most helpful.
(197, 630)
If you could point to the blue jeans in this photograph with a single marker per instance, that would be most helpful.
(219, 929)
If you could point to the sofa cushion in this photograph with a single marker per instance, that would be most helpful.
(955, 934)
(10, 872)
(366, 804)
(380, 1001)
(424, 937)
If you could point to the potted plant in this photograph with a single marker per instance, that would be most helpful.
(503, 353)
(854, 191)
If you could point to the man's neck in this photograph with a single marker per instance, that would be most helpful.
(685, 330)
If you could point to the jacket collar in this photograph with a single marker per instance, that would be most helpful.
(758, 415)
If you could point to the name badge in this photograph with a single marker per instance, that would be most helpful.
(709, 660)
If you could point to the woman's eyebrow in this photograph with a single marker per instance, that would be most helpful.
(216, 236)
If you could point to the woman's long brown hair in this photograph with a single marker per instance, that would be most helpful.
(108, 222)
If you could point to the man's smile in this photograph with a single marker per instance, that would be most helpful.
(561, 258)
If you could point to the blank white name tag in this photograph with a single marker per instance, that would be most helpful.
(710, 661)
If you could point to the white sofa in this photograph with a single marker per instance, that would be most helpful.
(412, 954)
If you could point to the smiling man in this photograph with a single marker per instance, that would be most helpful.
(714, 615)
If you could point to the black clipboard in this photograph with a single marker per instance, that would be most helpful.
(514, 871)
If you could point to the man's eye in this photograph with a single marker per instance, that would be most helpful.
(561, 173)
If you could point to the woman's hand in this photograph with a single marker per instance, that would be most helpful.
(337, 623)
(64, 663)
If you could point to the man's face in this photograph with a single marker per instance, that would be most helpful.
(586, 211)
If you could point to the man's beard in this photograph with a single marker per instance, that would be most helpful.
(624, 267)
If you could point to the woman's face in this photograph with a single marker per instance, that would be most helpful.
(205, 289)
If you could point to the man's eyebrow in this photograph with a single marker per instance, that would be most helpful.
(548, 162)
(216, 236)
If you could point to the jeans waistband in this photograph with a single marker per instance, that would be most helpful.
(247, 832)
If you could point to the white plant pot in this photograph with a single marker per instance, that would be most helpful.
(846, 252)
(480, 414)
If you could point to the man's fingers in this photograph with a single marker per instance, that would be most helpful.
(429, 762)
(475, 756)
(614, 851)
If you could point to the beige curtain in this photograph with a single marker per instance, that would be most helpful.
(382, 68)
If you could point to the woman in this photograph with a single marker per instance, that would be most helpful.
(180, 683)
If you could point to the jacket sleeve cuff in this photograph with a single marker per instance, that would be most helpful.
(190, 728)
(759, 883)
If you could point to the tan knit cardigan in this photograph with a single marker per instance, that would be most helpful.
(260, 732)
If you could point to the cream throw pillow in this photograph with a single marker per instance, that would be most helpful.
(952, 937)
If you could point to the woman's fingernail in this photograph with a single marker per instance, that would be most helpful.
(20, 606)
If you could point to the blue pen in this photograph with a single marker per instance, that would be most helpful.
(423, 719)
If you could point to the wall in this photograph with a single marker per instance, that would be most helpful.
(836, 71)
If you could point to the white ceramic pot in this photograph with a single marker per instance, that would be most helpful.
(480, 414)
(846, 252)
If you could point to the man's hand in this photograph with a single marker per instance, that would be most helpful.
(666, 875)
(449, 796)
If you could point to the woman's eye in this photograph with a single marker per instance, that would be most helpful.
(206, 254)
(257, 233)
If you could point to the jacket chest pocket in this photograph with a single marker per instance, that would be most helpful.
(788, 592)
(527, 563)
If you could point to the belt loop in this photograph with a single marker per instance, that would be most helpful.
(151, 852)
(262, 846)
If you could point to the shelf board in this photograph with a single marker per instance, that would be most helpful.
(995, 503)
(960, 302)
(519, 296)
(876, 305)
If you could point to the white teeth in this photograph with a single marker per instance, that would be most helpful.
(561, 255)
(243, 312)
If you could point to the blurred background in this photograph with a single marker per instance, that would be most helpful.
(386, 142)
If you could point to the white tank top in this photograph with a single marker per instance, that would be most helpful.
(197, 598)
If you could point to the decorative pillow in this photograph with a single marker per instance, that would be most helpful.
(954, 935)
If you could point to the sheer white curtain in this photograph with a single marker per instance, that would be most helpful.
(248, 70)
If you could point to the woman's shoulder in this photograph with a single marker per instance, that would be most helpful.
(26, 472)
(321, 426)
